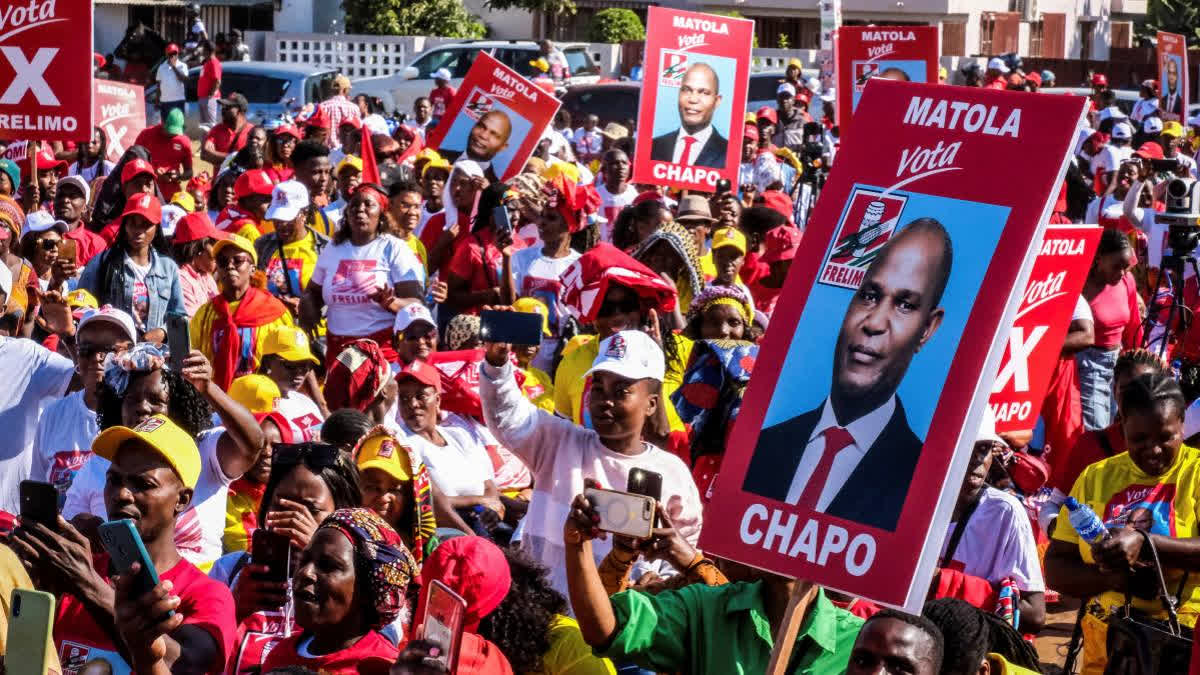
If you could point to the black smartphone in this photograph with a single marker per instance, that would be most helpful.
(501, 223)
(517, 328)
(724, 186)
(39, 503)
(179, 340)
(644, 482)
(273, 550)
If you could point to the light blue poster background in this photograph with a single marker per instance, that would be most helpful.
(914, 69)
(666, 105)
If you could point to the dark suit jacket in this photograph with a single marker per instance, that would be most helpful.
(712, 154)
(872, 495)
(1176, 109)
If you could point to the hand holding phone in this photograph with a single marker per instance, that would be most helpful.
(124, 545)
(622, 512)
(515, 328)
(272, 551)
(39, 504)
(442, 623)
(179, 340)
(30, 632)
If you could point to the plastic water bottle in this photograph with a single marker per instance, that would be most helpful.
(1085, 521)
(1177, 370)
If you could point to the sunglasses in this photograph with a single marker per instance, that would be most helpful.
(626, 306)
(313, 455)
(49, 244)
(88, 350)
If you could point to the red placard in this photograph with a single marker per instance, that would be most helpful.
(1036, 338)
(693, 104)
(496, 118)
(1172, 76)
(907, 53)
(120, 110)
(45, 70)
(891, 337)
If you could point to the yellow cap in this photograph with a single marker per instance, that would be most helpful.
(256, 393)
(535, 306)
(382, 451)
(795, 62)
(751, 118)
(541, 64)
(288, 343)
(161, 435)
(437, 162)
(350, 161)
(729, 236)
(184, 200)
(81, 299)
(557, 166)
(239, 242)
(1172, 128)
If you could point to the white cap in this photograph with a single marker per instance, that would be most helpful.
(40, 221)
(631, 354)
(1122, 130)
(5, 283)
(1113, 112)
(287, 200)
(813, 84)
(78, 182)
(997, 63)
(375, 124)
(1152, 125)
(111, 315)
(441, 74)
(410, 314)
(171, 214)
(785, 88)
(987, 427)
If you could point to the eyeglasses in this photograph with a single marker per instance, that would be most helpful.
(626, 306)
(314, 455)
(49, 244)
(238, 261)
(88, 350)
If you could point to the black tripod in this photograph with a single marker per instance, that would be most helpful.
(1173, 268)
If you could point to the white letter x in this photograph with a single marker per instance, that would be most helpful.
(1019, 350)
(29, 76)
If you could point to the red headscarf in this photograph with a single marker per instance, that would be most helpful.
(257, 308)
(357, 375)
(586, 282)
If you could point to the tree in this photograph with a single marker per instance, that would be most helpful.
(440, 18)
(1172, 16)
(616, 25)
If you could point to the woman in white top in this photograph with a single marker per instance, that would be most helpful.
(92, 163)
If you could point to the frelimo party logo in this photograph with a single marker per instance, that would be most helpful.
(868, 222)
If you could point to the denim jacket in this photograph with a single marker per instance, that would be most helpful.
(162, 285)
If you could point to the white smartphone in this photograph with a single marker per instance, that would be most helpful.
(623, 512)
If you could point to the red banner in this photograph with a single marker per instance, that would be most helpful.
(906, 53)
(1035, 341)
(1172, 76)
(903, 289)
(120, 110)
(45, 70)
(693, 102)
(496, 118)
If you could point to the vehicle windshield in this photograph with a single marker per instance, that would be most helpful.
(443, 58)
(578, 62)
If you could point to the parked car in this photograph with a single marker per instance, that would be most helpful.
(399, 90)
(271, 89)
(764, 84)
(611, 102)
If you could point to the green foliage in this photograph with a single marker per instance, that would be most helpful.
(784, 42)
(616, 25)
(552, 8)
(438, 18)
(1172, 16)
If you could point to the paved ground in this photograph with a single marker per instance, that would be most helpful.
(1052, 642)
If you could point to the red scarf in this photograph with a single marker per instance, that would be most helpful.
(257, 308)
(232, 218)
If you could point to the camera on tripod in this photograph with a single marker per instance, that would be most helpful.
(1182, 216)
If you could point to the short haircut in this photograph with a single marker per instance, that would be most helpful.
(345, 427)
(401, 186)
(306, 150)
(932, 227)
(420, 99)
(1112, 240)
(920, 623)
(716, 80)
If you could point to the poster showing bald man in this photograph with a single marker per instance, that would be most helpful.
(854, 436)
(1172, 76)
(906, 53)
(694, 99)
(495, 119)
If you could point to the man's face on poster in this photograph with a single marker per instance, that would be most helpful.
(891, 316)
(1172, 74)
(698, 97)
(489, 136)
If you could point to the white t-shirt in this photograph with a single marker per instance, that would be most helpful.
(998, 543)
(611, 206)
(303, 416)
(539, 276)
(89, 173)
(1108, 207)
(141, 292)
(63, 442)
(1110, 157)
(170, 84)
(460, 468)
(198, 530)
(349, 274)
(34, 377)
(1083, 310)
(1143, 107)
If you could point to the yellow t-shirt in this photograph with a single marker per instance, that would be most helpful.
(569, 654)
(237, 506)
(708, 269)
(538, 388)
(418, 249)
(250, 231)
(301, 258)
(202, 336)
(1119, 492)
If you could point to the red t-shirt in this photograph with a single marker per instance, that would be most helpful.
(372, 655)
(88, 244)
(226, 140)
(203, 602)
(210, 74)
(440, 99)
(166, 152)
(467, 262)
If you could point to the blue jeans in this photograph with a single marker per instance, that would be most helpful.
(1096, 386)
(164, 108)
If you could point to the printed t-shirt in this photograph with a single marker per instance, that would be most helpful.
(373, 654)
(303, 416)
(998, 543)
(1167, 505)
(63, 442)
(418, 249)
(241, 519)
(227, 140)
(440, 99)
(349, 275)
(538, 388)
(611, 206)
(210, 74)
(166, 152)
(300, 258)
(141, 293)
(460, 468)
(510, 473)
(208, 334)
(203, 602)
(33, 378)
(198, 288)
(539, 276)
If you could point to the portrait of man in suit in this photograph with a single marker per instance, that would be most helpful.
(696, 142)
(1172, 98)
(487, 138)
(853, 456)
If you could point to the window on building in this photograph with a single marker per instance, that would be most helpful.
(987, 29)
(954, 38)
(1036, 31)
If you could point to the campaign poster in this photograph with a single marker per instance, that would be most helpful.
(1043, 317)
(45, 70)
(496, 118)
(1172, 76)
(854, 435)
(120, 111)
(905, 53)
(693, 102)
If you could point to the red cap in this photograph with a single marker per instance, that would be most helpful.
(318, 119)
(172, 48)
(254, 182)
(751, 132)
(45, 161)
(422, 372)
(134, 168)
(351, 121)
(143, 204)
(288, 130)
(196, 226)
(768, 113)
(781, 244)
(473, 567)
(1150, 150)
(1034, 77)
(648, 195)
(1099, 80)
(774, 199)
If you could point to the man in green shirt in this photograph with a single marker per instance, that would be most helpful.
(701, 629)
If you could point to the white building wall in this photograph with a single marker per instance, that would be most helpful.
(108, 27)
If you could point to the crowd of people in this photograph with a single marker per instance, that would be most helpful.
(275, 371)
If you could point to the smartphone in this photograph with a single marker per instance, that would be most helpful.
(39, 503)
(645, 482)
(518, 328)
(68, 250)
(124, 545)
(179, 340)
(273, 550)
(623, 513)
(442, 623)
(30, 632)
(724, 186)
(501, 223)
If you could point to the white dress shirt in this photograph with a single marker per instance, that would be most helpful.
(864, 430)
(701, 137)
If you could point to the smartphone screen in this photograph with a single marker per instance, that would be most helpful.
(273, 550)
(518, 328)
(67, 249)
(645, 482)
(442, 624)
(501, 222)
(39, 503)
(179, 340)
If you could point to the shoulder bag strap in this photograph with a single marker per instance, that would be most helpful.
(961, 526)
(1168, 602)
(1105, 444)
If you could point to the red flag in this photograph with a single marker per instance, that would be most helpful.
(370, 172)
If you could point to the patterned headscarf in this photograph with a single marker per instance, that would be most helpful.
(381, 556)
(461, 330)
(357, 376)
(424, 524)
(723, 295)
(684, 244)
(16, 215)
(144, 357)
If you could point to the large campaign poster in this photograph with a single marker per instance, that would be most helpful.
(906, 53)
(854, 434)
(1172, 76)
(45, 70)
(496, 118)
(693, 102)
(120, 111)
(1036, 338)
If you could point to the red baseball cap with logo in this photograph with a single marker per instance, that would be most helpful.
(134, 168)
(781, 243)
(254, 182)
(768, 113)
(45, 162)
(750, 133)
(422, 372)
(288, 130)
(196, 226)
(145, 205)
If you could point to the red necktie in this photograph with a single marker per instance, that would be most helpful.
(836, 438)
(687, 149)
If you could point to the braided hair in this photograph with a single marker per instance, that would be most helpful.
(186, 406)
(921, 623)
(1150, 392)
(970, 634)
(1132, 359)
